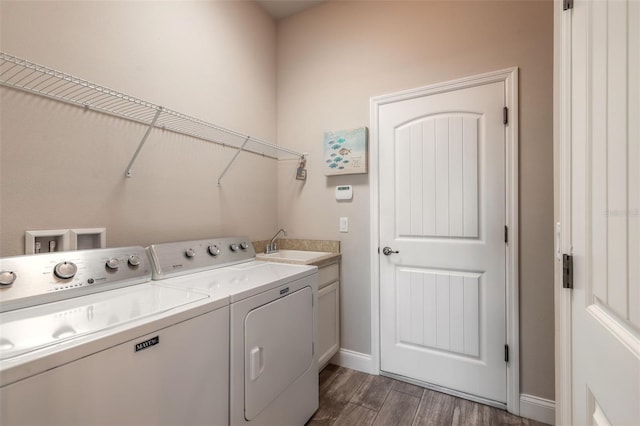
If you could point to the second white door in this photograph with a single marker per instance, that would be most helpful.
(442, 208)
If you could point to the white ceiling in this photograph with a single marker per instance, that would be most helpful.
(279, 9)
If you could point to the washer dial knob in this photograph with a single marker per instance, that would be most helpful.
(65, 270)
(214, 250)
(7, 277)
(113, 263)
(244, 245)
(189, 252)
(134, 260)
(233, 247)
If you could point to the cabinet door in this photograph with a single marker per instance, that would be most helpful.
(328, 322)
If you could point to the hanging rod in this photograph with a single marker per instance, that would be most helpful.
(39, 80)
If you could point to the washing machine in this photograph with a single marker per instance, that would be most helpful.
(273, 324)
(87, 338)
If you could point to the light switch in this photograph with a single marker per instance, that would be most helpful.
(344, 224)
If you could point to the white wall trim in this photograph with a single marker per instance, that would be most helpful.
(510, 78)
(513, 257)
(539, 409)
(354, 360)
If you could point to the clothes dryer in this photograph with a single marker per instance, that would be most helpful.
(273, 324)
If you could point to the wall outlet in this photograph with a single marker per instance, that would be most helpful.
(344, 224)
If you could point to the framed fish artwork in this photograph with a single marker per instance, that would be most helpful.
(345, 152)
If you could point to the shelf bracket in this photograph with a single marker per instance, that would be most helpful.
(233, 159)
(144, 139)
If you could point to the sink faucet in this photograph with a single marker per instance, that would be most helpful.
(272, 247)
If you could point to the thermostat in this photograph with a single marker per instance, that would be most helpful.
(344, 192)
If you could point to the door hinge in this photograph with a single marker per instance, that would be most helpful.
(567, 271)
(505, 116)
(506, 353)
(506, 234)
(567, 4)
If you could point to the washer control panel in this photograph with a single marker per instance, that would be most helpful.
(186, 257)
(40, 278)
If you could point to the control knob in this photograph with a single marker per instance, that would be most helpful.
(134, 260)
(65, 270)
(214, 250)
(113, 263)
(244, 245)
(189, 252)
(7, 278)
(233, 247)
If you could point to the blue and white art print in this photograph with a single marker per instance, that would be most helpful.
(345, 152)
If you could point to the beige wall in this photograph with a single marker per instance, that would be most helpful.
(334, 57)
(61, 167)
(64, 168)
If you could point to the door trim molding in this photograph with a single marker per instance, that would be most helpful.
(510, 78)
(562, 209)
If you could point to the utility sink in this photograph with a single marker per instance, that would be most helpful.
(294, 256)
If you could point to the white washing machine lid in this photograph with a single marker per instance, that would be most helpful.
(242, 280)
(53, 324)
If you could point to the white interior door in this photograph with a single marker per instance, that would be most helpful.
(442, 207)
(604, 193)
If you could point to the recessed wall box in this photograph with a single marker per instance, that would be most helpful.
(46, 241)
(344, 192)
(90, 238)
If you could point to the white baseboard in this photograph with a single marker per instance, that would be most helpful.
(536, 408)
(354, 360)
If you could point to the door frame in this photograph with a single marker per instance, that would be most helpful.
(562, 208)
(510, 78)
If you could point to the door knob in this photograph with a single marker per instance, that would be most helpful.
(387, 251)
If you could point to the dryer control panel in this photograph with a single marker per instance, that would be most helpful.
(187, 257)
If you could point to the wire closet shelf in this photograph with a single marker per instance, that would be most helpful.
(39, 80)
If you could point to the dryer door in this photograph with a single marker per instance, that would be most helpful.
(278, 348)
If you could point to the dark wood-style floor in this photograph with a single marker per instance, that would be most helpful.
(349, 397)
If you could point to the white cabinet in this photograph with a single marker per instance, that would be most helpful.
(328, 313)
